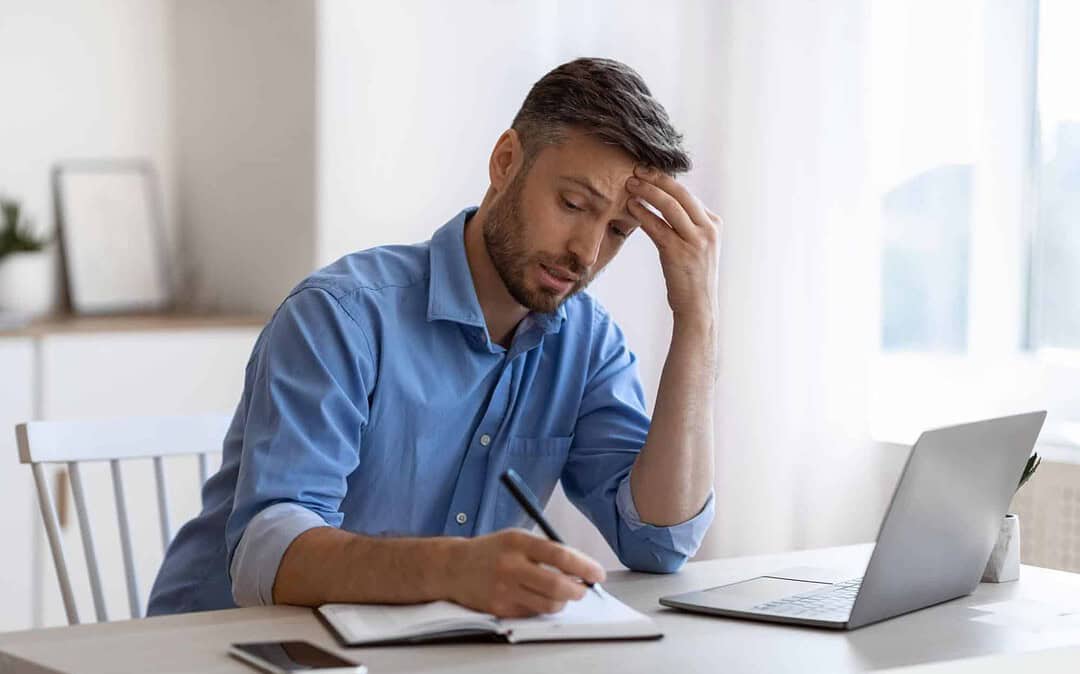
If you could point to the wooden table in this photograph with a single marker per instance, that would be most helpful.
(198, 641)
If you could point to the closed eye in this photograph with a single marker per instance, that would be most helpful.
(619, 233)
(571, 206)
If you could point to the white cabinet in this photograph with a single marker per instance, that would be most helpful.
(152, 372)
(85, 368)
(17, 510)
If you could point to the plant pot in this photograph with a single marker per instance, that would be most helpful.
(1004, 563)
(29, 282)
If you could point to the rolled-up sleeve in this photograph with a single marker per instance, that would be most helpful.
(611, 429)
(264, 542)
(307, 409)
(683, 538)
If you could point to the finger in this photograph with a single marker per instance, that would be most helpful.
(536, 603)
(653, 225)
(549, 583)
(509, 609)
(718, 222)
(668, 206)
(522, 612)
(565, 559)
(687, 199)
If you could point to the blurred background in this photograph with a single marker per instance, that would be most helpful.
(900, 183)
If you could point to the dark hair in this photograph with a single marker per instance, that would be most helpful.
(605, 99)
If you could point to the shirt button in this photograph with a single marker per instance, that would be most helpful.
(462, 518)
(485, 440)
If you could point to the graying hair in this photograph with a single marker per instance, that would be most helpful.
(607, 100)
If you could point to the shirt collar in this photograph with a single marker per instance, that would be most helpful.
(451, 293)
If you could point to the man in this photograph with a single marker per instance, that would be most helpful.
(392, 388)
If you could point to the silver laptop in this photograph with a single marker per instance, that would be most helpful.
(932, 547)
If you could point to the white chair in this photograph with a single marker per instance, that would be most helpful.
(74, 442)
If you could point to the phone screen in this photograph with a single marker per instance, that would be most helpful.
(293, 656)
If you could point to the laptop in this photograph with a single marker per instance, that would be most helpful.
(933, 544)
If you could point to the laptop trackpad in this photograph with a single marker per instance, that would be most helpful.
(749, 593)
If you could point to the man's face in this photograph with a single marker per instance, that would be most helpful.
(555, 226)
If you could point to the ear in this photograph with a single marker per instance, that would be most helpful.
(506, 159)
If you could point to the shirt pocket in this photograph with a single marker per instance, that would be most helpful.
(539, 462)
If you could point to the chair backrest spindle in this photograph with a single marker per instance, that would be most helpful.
(125, 538)
(89, 552)
(75, 442)
(163, 503)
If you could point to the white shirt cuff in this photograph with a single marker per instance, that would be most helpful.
(684, 538)
(258, 554)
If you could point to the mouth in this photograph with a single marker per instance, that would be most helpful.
(556, 279)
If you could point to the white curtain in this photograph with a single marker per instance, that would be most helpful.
(796, 467)
(771, 95)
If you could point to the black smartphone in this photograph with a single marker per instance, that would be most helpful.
(284, 657)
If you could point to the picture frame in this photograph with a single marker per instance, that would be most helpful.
(112, 239)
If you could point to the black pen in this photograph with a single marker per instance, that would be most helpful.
(524, 496)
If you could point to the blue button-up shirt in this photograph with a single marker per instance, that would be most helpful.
(375, 401)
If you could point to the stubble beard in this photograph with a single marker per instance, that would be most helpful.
(503, 235)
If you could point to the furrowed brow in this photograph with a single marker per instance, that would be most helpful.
(587, 184)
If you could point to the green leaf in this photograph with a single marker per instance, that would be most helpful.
(1029, 469)
(16, 234)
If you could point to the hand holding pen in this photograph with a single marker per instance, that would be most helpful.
(529, 503)
(510, 573)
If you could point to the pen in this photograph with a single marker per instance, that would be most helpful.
(527, 500)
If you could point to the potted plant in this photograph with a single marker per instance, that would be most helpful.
(1004, 563)
(27, 275)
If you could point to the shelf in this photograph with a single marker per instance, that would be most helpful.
(70, 324)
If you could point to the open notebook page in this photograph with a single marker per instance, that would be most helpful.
(382, 622)
(597, 616)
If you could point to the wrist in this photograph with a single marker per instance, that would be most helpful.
(447, 555)
(697, 334)
(696, 321)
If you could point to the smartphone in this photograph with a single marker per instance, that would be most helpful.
(283, 657)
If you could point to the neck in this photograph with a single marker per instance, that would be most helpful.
(502, 313)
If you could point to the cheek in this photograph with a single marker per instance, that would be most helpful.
(547, 228)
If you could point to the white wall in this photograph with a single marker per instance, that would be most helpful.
(245, 148)
(412, 97)
(220, 96)
(83, 80)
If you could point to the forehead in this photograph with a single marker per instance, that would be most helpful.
(581, 155)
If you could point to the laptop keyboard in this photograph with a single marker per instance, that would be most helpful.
(831, 603)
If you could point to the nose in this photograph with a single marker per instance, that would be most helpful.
(586, 244)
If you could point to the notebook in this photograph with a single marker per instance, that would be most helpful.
(598, 616)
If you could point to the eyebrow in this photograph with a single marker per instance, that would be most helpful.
(587, 184)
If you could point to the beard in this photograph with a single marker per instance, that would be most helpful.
(504, 232)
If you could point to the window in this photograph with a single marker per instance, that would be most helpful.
(924, 147)
(975, 152)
